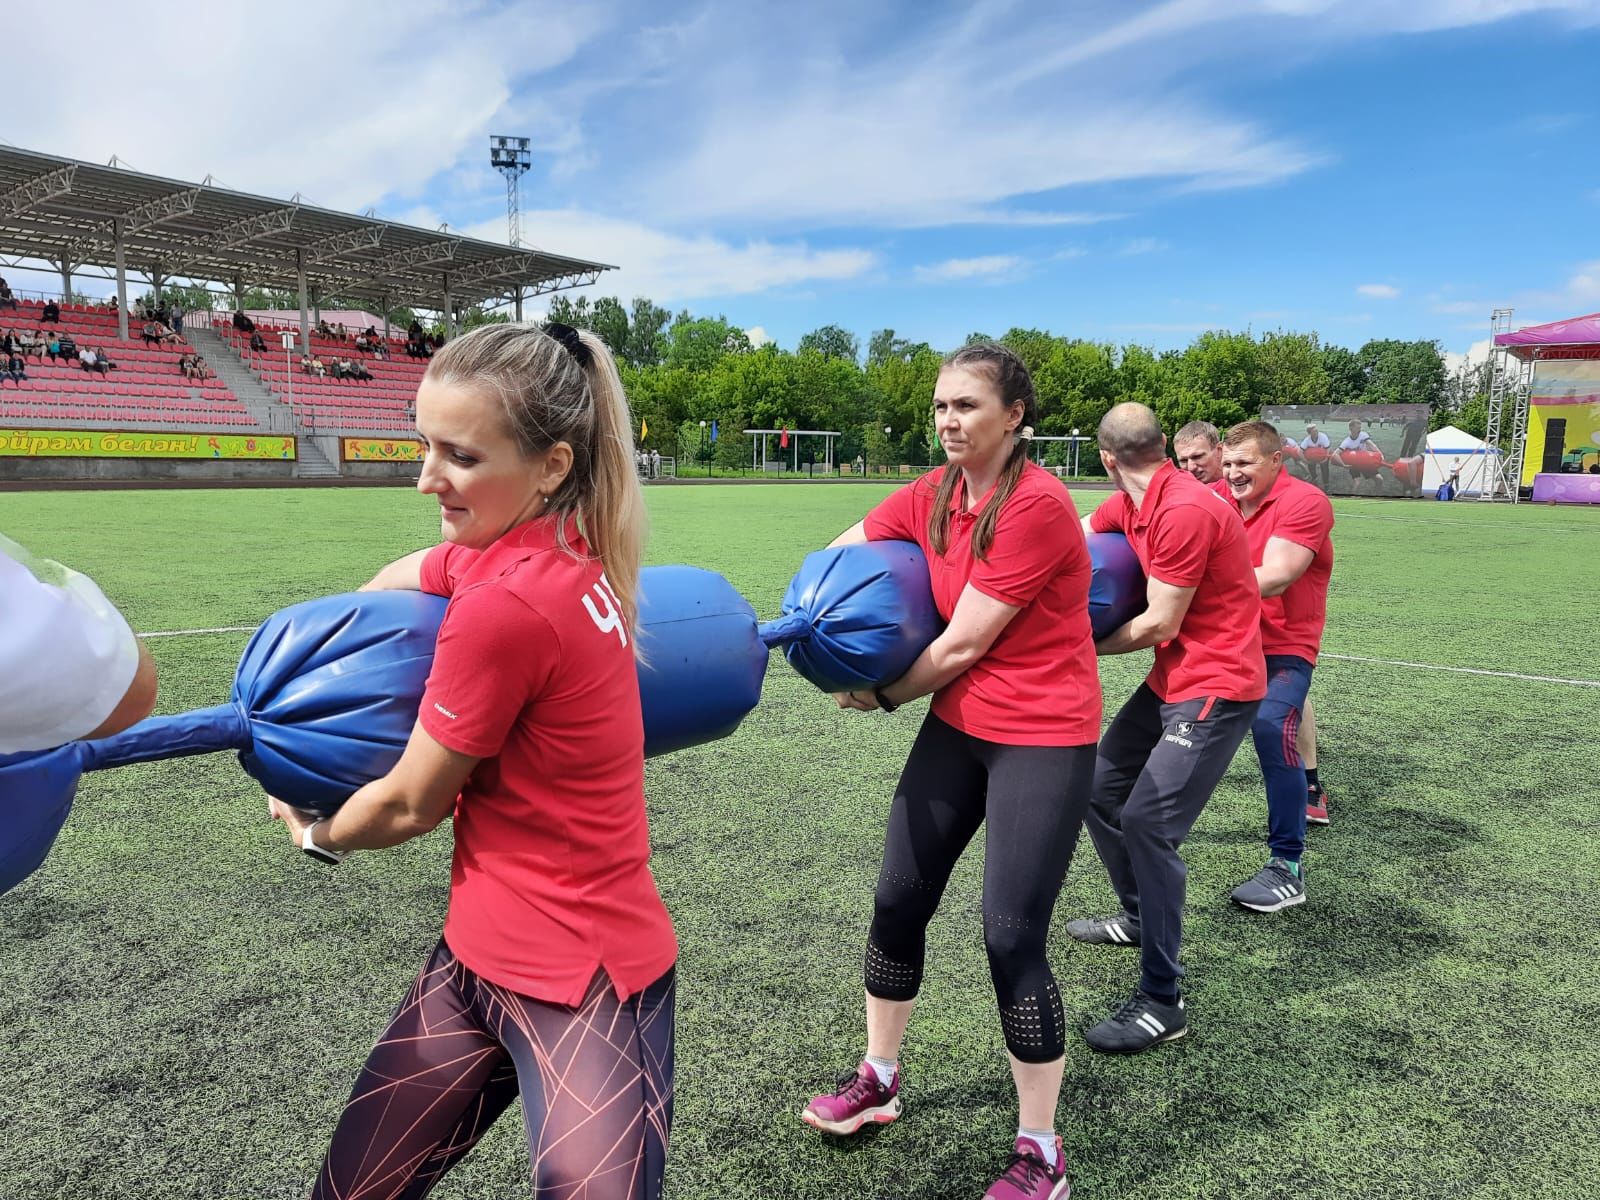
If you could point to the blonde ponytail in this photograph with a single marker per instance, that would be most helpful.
(614, 519)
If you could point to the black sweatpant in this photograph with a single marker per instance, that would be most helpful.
(1031, 800)
(1158, 765)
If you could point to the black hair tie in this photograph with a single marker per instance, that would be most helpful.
(571, 342)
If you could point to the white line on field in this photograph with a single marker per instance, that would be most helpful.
(196, 632)
(1387, 662)
(1416, 666)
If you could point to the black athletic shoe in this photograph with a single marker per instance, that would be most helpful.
(1120, 930)
(1138, 1025)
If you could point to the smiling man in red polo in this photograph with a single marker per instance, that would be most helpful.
(1163, 754)
(1289, 523)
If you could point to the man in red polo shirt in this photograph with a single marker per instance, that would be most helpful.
(1164, 753)
(1289, 523)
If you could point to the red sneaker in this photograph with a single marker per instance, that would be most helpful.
(1317, 806)
(858, 1100)
(1029, 1178)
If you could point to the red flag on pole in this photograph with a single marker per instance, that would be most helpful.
(783, 439)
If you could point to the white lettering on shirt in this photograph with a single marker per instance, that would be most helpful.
(612, 619)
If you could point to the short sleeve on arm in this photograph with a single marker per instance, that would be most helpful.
(494, 656)
(1180, 544)
(1305, 522)
(895, 517)
(1033, 541)
(67, 658)
(1109, 517)
(442, 567)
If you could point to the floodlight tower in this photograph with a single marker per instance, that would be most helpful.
(512, 158)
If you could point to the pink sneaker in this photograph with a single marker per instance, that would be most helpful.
(1028, 1178)
(859, 1100)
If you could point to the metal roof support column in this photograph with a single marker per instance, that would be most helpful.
(449, 308)
(305, 322)
(157, 279)
(66, 280)
(238, 291)
(519, 305)
(120, 249)
(386, 305)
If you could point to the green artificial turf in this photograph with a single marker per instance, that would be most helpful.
(185, 1001)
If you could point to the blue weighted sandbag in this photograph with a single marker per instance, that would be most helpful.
(1116, 583)
(703, 662)
(857, 616)
(327, 692)
(36, 793)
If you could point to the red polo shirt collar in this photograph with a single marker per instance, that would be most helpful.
(1152, 495)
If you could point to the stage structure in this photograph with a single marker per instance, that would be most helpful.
(76, 218)
(1547, 378)
(1507, 424)
(759, 445)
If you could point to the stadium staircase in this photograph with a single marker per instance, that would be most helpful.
(313, 462)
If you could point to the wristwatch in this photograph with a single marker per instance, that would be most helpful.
(332, 857)
(883, 701)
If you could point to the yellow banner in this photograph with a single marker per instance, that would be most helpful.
(382, 450)
(122, 443)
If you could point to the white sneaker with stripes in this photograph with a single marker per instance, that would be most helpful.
(1139, 1024)
(1120, 930)
(1275, 886)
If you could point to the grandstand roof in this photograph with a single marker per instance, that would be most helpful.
(52, 206)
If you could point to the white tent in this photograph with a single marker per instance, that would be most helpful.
(1447, 448)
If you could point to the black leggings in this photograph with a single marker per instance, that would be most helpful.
(1031, 800)
(595, 1081)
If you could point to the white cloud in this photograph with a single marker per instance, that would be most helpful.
(1476, 353)
(1378, 291)
(1144, 245)
(671, 268)
(758, 336)
(360, 109)
(990, 268)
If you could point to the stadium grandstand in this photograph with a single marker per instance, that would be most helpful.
(83, 220)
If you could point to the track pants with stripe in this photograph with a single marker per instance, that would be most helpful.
(595, 1082)
(1158, 765)
(1276, 727)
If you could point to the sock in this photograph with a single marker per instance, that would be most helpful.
(1294, 865)
(884, 1068)
(1045, 1139)
(1311, 779)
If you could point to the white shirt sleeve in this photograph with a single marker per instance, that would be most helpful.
(67, 656)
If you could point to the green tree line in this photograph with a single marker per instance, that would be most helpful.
(682, 369)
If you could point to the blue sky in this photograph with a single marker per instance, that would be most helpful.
(1100, 168)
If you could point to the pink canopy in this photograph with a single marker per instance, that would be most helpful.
(1576, 337)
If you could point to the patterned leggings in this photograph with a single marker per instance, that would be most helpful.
(595, 1081)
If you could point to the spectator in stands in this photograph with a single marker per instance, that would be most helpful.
(106, 365)
(16, 369)
(196, 368)
(324, 329)
(243, 323)
(67, 347)
(177, 318)
(342, 333)
(313, 365)
(9, 342)
(258, 344)
(151, 333)
(89, 360)
(357, 371)
(371, 333)
(33, 343)
(53, 346)
(7, 300)
(163, 334)
(52, 311)
(112, 304)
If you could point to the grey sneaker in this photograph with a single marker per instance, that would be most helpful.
(1120, 930)
(1273, 887)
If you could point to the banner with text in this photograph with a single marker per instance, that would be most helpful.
(121, 443)
(1354, 449)
(381, 450)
